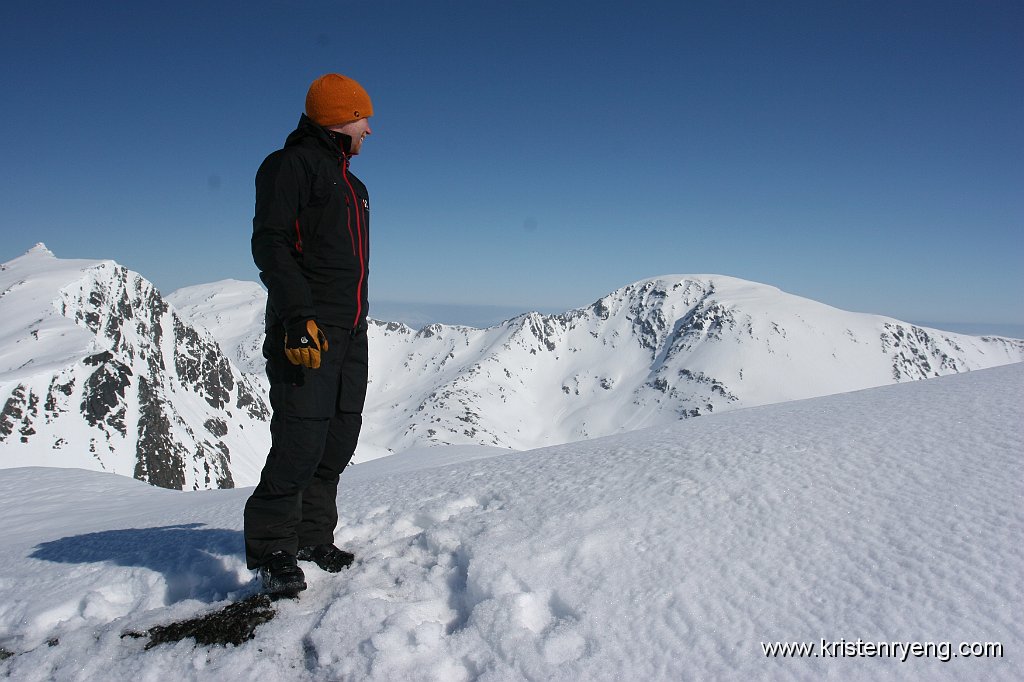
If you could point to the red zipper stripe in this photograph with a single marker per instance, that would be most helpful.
(298, 237)
(348, 222)
(359, 233)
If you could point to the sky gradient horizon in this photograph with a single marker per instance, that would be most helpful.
(525, 155)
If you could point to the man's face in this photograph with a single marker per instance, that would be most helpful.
(358, 130)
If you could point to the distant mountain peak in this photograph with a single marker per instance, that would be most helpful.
(40, 250)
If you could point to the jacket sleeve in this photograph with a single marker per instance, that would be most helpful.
(282, 189)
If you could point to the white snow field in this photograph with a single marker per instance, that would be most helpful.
(891, 515)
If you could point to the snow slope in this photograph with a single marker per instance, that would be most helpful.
(234, 310)
(892, 515)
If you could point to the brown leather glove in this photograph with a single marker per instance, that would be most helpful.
(303, 343)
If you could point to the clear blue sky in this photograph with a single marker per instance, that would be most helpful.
(537, 155)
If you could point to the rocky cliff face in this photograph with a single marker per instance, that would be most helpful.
(108, 368)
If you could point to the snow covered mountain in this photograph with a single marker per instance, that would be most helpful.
(98, 371)
(648, 354)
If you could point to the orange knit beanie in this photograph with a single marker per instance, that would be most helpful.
(334, 99)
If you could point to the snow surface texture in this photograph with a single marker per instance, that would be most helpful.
(672, 553)
(99, 371)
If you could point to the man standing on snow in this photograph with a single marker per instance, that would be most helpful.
(311, 243)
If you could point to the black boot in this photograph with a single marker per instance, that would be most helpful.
(327, 557)
(281, 576)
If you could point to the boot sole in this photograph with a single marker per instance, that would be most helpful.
(289, 590)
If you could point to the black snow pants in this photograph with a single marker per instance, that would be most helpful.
(317, 414)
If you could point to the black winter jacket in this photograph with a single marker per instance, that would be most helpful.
(311, 231)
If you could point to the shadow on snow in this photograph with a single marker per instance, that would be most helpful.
(191, 558)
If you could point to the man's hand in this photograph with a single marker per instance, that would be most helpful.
(303, 343)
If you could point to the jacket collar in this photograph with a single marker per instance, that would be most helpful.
(309, 132)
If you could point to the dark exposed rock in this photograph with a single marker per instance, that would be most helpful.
(216, 426)
(914, 351)
(201, 365)
(233, 624)
(250, 400)
(13, 412)
(98, 358)
(103, 394)
(716, 385)
(392, 327)
(215, 462)
(647, 316)
(31, 412)
(429, 331)
(159, 458)
(659, 384)
(543, 328)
